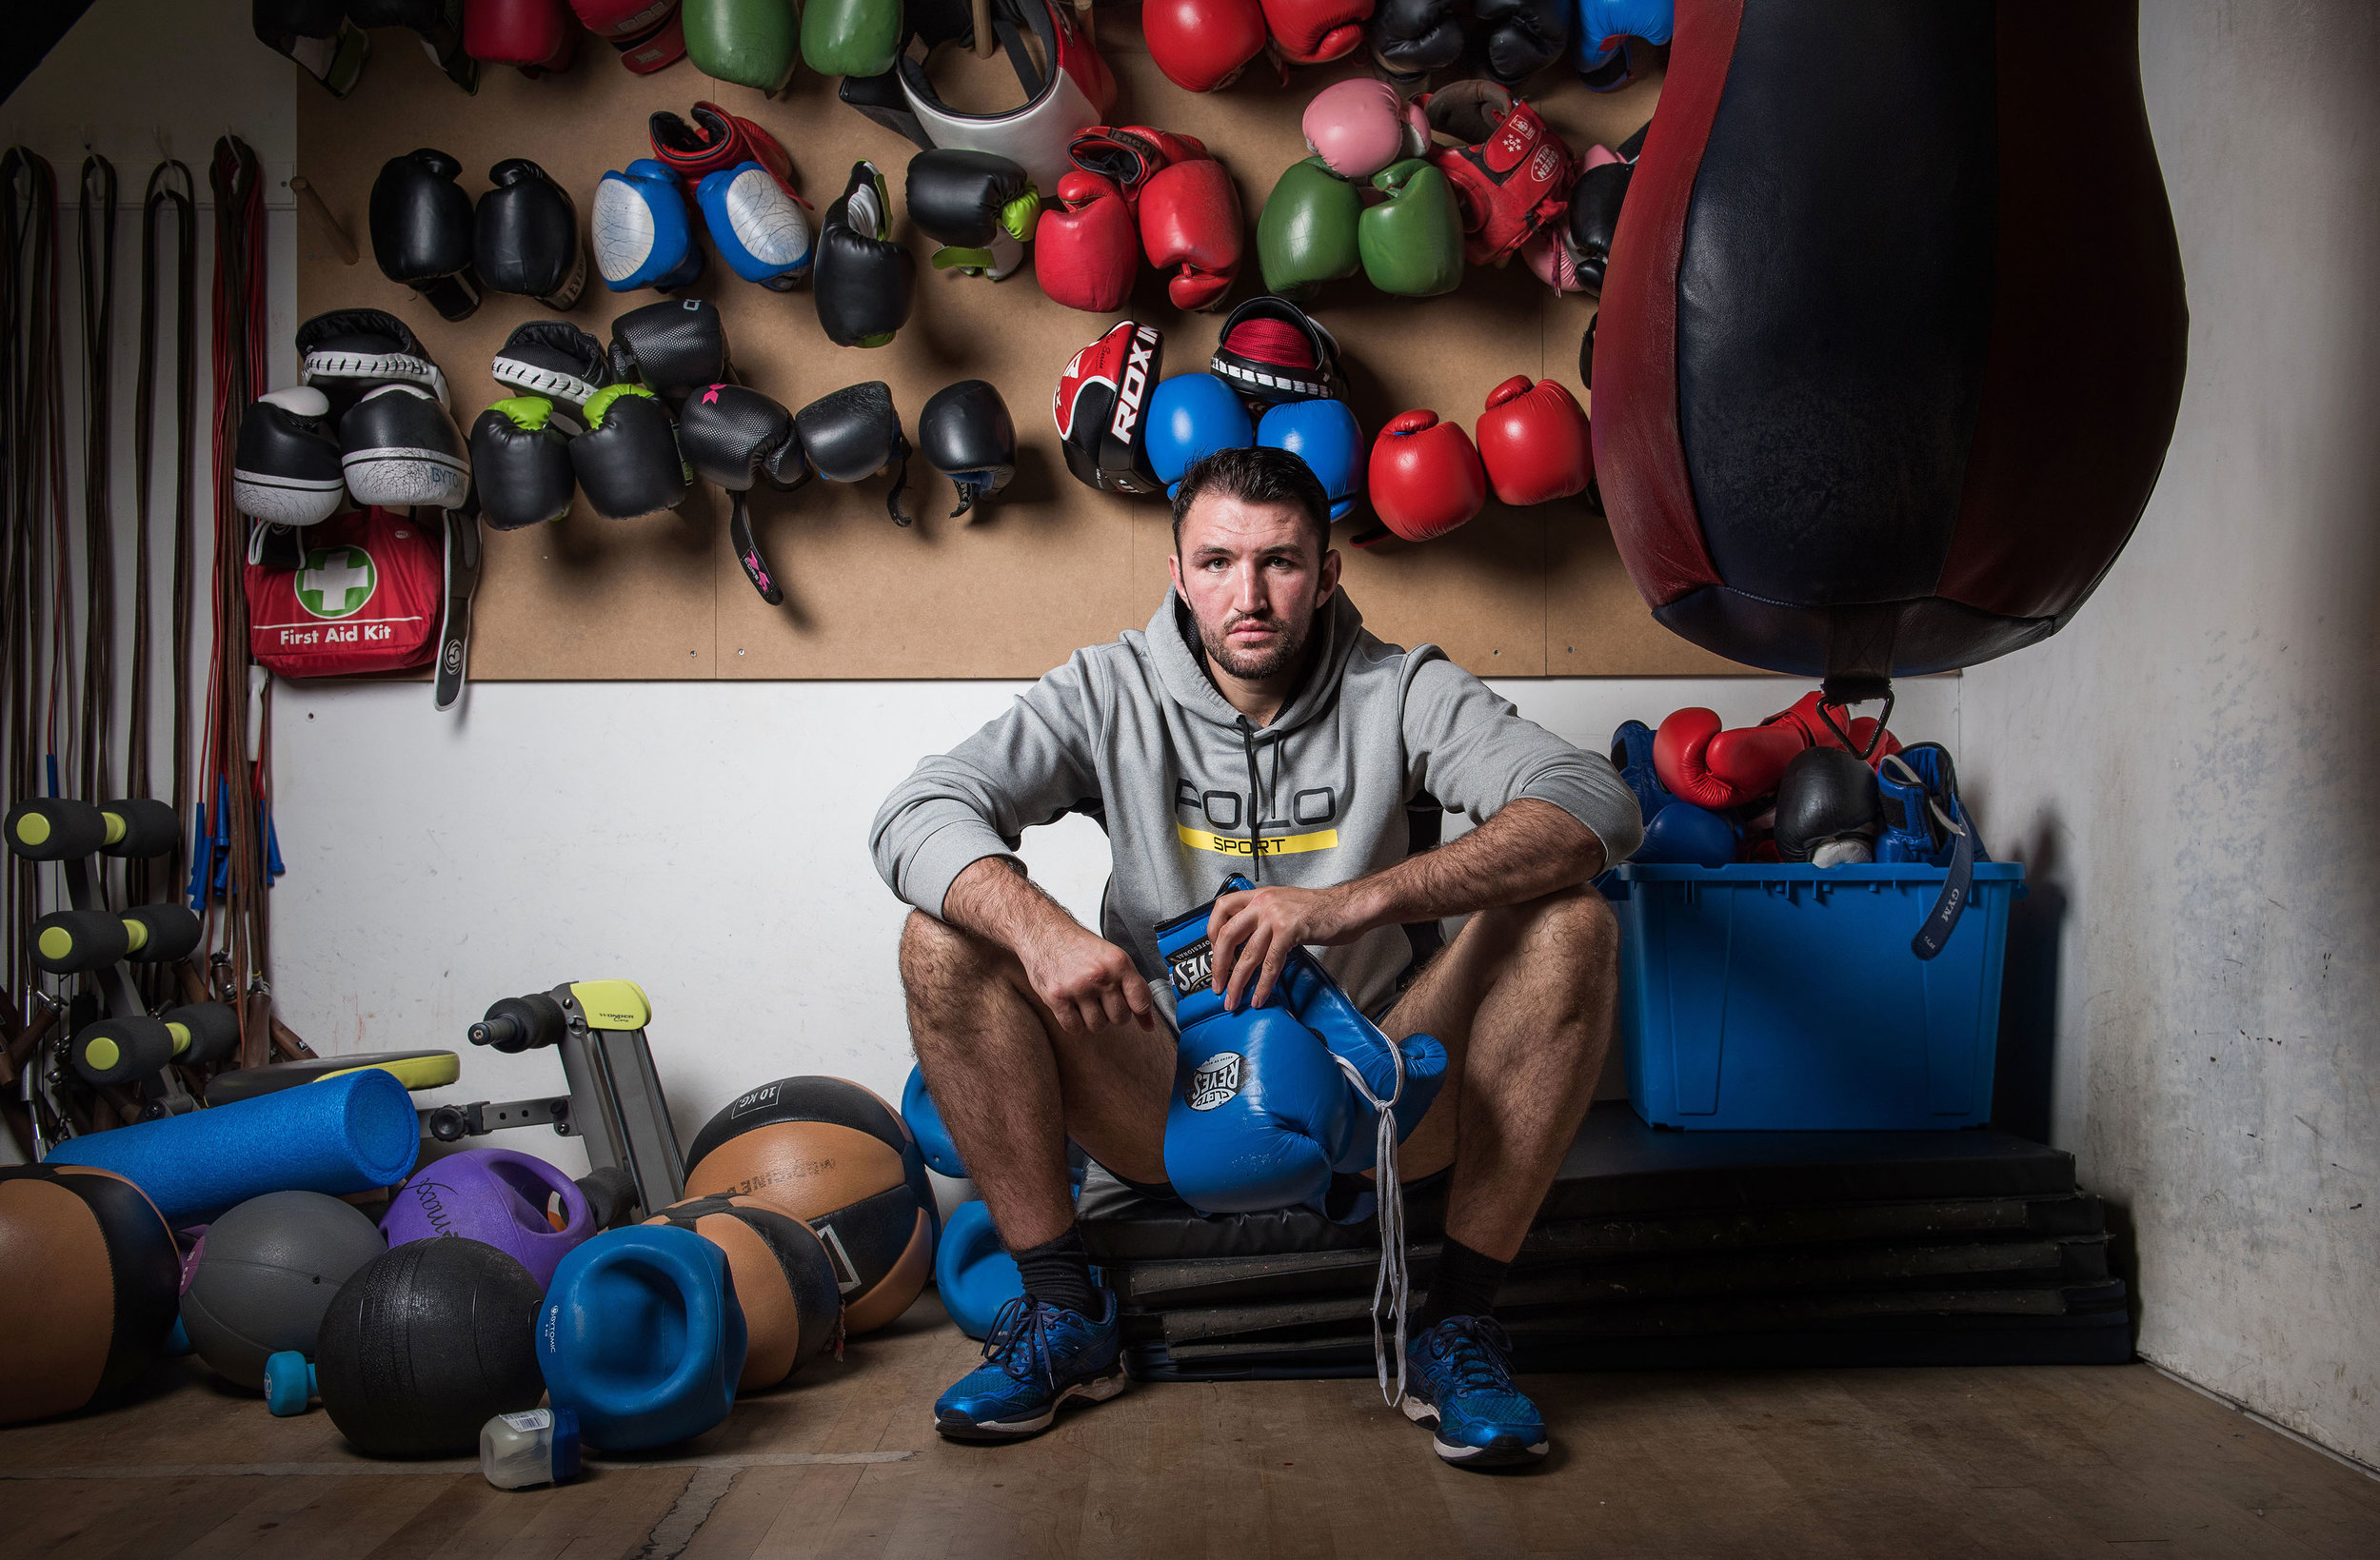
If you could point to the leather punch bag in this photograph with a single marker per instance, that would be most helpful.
(1892, 339)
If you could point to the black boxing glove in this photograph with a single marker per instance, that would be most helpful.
(671, 347)
(1410, 38)
(1827, 810)
(349, 353)
(555, 359)
(521, 463)
(421, 223)
(627, 461)
(524, 237)
(864, 282)
(850, 434)
(736, 438)
(977, 204)
(965, 433)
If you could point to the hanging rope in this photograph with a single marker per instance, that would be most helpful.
(230, 779)
(171, 192)
(35, 636)
(95, 260)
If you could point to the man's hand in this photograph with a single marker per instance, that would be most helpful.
(1252, 933)
(1085, 981)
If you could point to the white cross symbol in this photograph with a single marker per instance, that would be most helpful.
(338, 586)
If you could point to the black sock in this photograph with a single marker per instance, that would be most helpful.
(1464, 1284)
(1060, 1272)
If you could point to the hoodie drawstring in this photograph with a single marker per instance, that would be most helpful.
(1256, 801)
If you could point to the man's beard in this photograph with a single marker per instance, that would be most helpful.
(1255, 665)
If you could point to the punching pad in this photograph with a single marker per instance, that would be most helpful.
(1892, 339)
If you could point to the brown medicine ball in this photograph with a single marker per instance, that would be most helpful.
(785, 1281)
(836, 1156)
(91, 1281)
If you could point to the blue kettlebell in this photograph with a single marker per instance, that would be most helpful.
(974, 1271)
(641, 1336)
(925, 1125)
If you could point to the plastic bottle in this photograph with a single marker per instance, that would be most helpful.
(521, 1450)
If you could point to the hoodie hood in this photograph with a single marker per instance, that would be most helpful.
(1170, 643)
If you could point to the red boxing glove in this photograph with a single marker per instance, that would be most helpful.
(1426, 477)
(1128, 156)
(648, 33)
(1315, 32)
(718, 140)
(1534, 440)
(1201, 45)
(1512, 174)
(1715, 768)
(1086, 253)
(1190, 219)
(537, 35)
(1712, 767)
(1803, 715)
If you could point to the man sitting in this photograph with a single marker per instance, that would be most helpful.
(1254, 727)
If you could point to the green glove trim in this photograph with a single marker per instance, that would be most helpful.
(600, 403)
(528, 411)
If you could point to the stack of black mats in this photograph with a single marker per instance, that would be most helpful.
(1664, 1250)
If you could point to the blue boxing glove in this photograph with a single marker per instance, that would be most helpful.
(1675, 832)
(1325, 435)
(1384, 1086)
(1603, 38)
(642, 233)
(761, 229)
(1260, 1113)
(1191, 416)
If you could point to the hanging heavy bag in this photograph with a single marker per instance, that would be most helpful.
(367, 596)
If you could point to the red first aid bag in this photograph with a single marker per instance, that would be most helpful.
(365, 597)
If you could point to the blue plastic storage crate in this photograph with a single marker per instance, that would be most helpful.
(1785, 997)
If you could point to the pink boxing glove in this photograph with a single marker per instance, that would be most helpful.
(1359, 126)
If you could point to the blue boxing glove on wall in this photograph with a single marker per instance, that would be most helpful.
(1325, 435)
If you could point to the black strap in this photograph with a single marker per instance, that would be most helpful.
(454, 626)
(748, 550)
(31, 452)
(95, 258)
(182, 203)
(1934, 934)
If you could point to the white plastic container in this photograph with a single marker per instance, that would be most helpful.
(523, 1451)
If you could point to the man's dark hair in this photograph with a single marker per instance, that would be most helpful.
(1257, 475)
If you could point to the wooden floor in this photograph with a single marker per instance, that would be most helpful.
(2031, 1462)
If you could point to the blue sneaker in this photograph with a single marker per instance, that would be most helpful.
(1460, 1383)
(1036, 1358)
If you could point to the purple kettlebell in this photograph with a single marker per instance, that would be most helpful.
(495, 1195)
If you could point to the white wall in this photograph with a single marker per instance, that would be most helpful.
(2186, 767)
(438, 864)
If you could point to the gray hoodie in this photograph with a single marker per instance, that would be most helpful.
(1345, 781)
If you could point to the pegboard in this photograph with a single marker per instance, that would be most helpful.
(1051, 565)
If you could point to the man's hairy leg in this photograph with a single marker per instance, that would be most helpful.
(1524, 998)
(1012, 1084)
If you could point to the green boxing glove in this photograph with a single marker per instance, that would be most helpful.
(853, 37)
(1306, 234)
(752, 42)
(1412, 244)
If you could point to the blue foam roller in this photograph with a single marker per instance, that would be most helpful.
(346, 1134)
